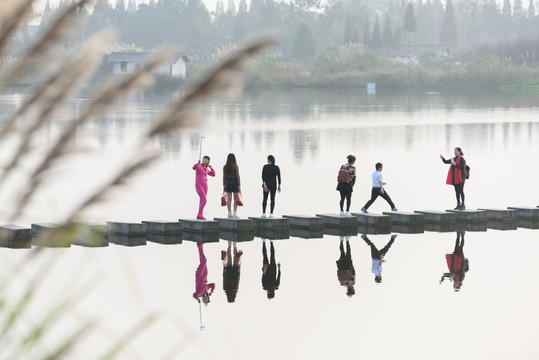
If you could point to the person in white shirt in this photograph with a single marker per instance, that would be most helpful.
(378, 189)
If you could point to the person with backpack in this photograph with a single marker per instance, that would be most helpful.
(346, 180)
(456, 176)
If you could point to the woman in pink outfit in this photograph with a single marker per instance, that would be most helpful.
(203, 290)
(201, 183)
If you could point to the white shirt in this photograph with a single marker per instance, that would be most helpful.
(376, 179)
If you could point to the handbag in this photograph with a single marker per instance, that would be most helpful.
(224, 199)
(238, 199)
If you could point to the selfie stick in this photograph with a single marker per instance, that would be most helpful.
(202, 137)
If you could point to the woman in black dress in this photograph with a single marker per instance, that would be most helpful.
(271, 182)
(231, 183)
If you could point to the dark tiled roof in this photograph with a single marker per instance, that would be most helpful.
(138, 57)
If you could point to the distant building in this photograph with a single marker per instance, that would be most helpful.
(128, 63)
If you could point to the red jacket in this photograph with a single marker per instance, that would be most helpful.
(455, 175)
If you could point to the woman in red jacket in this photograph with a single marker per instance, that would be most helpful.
(456, 176)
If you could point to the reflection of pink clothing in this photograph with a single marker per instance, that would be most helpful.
(201, 276)
(201, 185)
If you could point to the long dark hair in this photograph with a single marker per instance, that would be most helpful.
(460, 151)
(229, 167)
(271, 159)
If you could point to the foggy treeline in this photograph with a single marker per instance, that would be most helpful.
(309, 27)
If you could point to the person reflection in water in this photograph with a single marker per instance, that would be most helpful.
(456, 263)
(271, 272)
(231, 271)
(203, 290)
(346, 274)
(378, 256)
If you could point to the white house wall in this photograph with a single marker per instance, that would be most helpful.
(117, 68)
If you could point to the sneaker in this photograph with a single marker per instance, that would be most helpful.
(200, 217)
(393, 236)
(263, 216)
(271, 216)
(364, 237)
(394, 209)
(347, 214)
(341, 213)
(363, 210)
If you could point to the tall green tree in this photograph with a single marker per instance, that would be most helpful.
(367, 33)
(350, 32)
(387, 35)
(376, 38)
(449, 34)
(303, 45)
(410, 22)
(531, 9)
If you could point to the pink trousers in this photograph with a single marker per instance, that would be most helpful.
(202, 191)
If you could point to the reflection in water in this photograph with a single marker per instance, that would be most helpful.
(378, 256)
(231, 271)
(203, 290)
(271, 272)
(456, 263)
(346, 274)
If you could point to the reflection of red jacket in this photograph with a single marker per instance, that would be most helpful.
(454, 264)
(454, 175)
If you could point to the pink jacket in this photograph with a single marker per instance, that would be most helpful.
(202, 172)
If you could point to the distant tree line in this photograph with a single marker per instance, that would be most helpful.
(311, 27)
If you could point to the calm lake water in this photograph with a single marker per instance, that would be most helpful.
(409, 315)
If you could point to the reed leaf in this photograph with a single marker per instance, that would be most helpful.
(59, 29)
(223, 76)
(12, 16)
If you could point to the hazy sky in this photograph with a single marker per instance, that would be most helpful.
(40, 4)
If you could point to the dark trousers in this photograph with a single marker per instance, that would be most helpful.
(378, 254)
(345, 194)
(345, 260)
(378, 192)
(459, 193)
(272, 191)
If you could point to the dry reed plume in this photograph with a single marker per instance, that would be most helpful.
(72, 73)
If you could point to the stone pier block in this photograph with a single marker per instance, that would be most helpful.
(335, 220)
(405, 218)
(502, 225)
(374, 230)
(504, 215)
(236, 224)
(236, 236)
(305, 222)
(526, 213)
(528, 224)
(408, 229)
(438, 217)
(127, 240)
(91, 235)
(126, 228)
(370, 219)
(40, 236)
(200, 236)
(15, 237)
(12, 232)
(470, 215)
(438, 227)
(204, 226)
(316, 233)
(271, 223)
(273, 234)
(165, 239)
(341, 231)
(478, 226)
(163, 227)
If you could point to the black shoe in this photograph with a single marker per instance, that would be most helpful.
(458, 207)
(462, 207)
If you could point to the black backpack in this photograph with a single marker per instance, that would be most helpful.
(467, 172)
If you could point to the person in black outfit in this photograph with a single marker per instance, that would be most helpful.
(346, 274)
(270, 175)
(271, 272)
